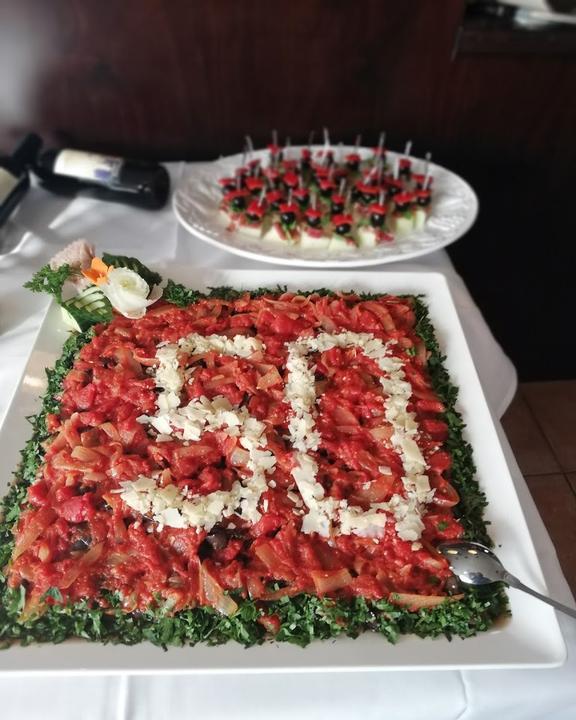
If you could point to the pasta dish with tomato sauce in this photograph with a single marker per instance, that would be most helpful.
(248, 466)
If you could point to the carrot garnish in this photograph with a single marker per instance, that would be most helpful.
(98, 272)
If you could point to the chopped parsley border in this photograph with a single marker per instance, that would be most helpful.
(303, 618)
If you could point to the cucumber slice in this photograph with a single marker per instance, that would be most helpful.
(314, 243)
(366, 237)
(69, 321)
(338, 243)
(88, 308)
(403, 225)
(420, 217)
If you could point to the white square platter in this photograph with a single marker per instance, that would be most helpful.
(531, 638)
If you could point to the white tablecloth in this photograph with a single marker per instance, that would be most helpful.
(42, 226)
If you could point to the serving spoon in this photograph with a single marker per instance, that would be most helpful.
(475, 564)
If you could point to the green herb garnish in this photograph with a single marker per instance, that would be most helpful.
(50, 281)
(470, 509)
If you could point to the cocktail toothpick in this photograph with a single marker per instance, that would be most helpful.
(326, 146)
(427, 159)
(370, 174)
(239, 171)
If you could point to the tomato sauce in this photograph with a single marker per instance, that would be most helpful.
(76, 533)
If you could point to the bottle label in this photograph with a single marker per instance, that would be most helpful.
(87, 166)
(7, 184)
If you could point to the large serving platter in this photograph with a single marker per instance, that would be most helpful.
(197, 199)
(531, 638)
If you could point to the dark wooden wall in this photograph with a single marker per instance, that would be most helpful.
(176, 79)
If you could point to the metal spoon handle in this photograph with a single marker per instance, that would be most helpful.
(515, 583)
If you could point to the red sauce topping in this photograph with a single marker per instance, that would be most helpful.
(289, 208)
(321, 172)
(315, 232)
(404, 198)
(327, 185)
(342, 220)
(255, 209)
(253, 183)
(377, 209)
(290, 179)
(271, 173)
(274, 196)
(368, 189)
(79, 536)
(300, 193)
(233, 194)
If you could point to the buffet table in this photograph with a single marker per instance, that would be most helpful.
(43, 225)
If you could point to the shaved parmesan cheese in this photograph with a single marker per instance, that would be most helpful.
(301, 396)
(324, 515)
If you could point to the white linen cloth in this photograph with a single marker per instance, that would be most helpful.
(43, 225)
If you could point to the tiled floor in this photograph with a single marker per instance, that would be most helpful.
(541, 427)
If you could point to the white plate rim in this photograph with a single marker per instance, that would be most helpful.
(369, 652)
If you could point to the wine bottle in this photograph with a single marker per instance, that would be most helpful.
(135, 182)
(14, 177)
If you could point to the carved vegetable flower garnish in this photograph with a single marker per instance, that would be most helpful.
(89, 288)
(126, 290)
